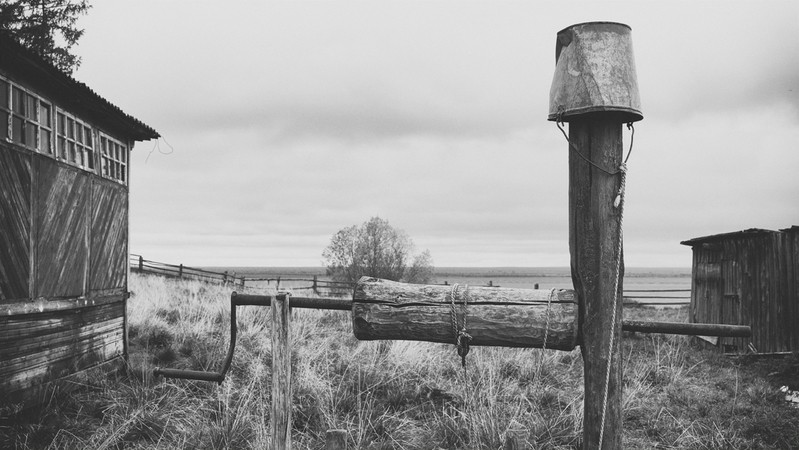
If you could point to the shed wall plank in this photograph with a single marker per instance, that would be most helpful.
(15, 216)
(60, 227)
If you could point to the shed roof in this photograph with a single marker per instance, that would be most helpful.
(748, 233)
(77, 97)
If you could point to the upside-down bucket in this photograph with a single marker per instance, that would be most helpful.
(594, 73)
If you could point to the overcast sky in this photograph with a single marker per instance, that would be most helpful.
(284, 122)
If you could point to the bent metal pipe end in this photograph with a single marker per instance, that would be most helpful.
(198, 375)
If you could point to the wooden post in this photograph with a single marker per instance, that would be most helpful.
(281, 372)
(593, 243)
(141, 263)
(314, 285)
(180, 271)
(336, 440)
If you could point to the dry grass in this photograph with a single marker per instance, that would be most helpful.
(395, 394)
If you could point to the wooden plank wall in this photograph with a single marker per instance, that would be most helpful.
(36, 348)
(758, 286)
(109, 237)
(15, 206)
(76, 225)
(61, 224)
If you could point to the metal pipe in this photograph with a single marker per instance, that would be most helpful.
(691, 329)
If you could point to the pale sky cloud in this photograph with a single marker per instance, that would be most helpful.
(292, 120)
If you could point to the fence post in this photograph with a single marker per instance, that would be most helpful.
(336, 440)
(596, 102)
(141, 263)
(281, 371)
(224, 278)
(180, 271)
(314, 285)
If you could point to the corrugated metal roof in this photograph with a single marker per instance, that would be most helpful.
(751, 232)
(69, 93)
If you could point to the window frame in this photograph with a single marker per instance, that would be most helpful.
(25, 122)
(76, 144)
(113, 157)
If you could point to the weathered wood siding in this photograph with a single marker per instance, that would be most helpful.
(61, 225)
(109, 237)
(63, 263)
(15, 207)
(40, 347)
(750, 278)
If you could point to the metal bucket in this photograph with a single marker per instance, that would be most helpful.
(594, 73)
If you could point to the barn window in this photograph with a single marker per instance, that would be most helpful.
(25, 118)
(74, 143)
(113, 159)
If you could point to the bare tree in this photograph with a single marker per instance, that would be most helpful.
(376, 249)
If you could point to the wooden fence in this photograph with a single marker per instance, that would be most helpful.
(140, 265)
(632, 297)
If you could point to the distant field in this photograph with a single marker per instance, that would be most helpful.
(668, 278)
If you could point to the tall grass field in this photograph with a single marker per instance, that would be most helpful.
(395, 394)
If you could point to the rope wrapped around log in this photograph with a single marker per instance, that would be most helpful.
(506, 317)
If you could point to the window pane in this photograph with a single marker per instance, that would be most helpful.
(3, 95)
(72, 156)
(87, 135)
(62, 147)
(79, 133)
(17, 127)
(3, 125)
(124, 155)
(44, 141)
(44, 114)
(90, 158)
(31, 131)
(18, 101)
(61, 122)
(123, 173)
(31, 106)
(70, 128)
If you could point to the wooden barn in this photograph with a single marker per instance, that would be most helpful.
(749, 277)
(64, 172)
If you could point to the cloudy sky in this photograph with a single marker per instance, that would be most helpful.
(284, 122)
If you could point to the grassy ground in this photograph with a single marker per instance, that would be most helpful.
(396, 394)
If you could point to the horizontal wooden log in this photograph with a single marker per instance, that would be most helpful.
(507, 317)
(691, 329)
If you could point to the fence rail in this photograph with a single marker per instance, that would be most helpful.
(140, 265)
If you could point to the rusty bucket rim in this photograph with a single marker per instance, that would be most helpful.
(596, 22)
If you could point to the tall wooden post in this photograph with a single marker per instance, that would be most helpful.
(593, 243)
(595, 89)
(281, 372)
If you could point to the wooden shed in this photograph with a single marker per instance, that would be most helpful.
(64, 172)
(749, 277)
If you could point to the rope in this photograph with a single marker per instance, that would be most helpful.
(462, 338)
(618, 203)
